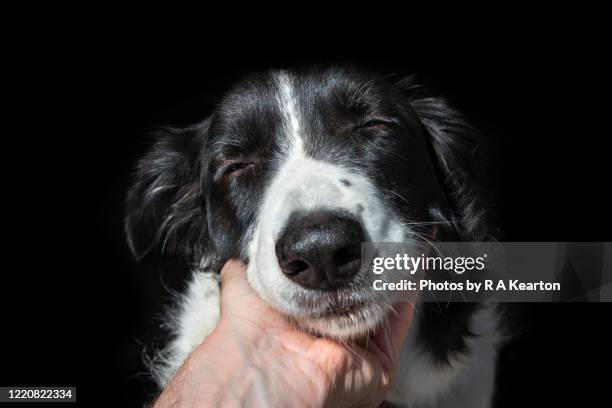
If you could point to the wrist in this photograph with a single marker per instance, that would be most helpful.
(205, 378)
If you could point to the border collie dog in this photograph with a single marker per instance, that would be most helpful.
(291, 172)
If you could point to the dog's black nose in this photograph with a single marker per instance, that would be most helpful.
(320, 250)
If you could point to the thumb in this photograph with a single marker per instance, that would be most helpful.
(234, 285)
(238, 299)
(232, 273)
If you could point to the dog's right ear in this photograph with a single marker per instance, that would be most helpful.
(165, 205)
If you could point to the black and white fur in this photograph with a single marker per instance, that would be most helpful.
(286, 142)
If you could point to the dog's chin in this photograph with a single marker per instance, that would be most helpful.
(345, 315)
(348, 324)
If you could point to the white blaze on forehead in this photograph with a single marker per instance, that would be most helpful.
(288, 106)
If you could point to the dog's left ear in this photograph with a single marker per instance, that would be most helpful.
(165, 206)
(460, 158)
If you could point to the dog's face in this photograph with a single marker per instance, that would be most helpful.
(291, 174)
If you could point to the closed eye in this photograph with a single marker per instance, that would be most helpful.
(236, 167)
(375, 123)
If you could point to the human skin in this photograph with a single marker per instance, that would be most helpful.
(256, 357)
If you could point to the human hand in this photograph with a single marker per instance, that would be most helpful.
(256, 357)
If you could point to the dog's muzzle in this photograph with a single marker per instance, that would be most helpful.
(321, 249)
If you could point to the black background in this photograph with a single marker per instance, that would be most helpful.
(75, 307)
